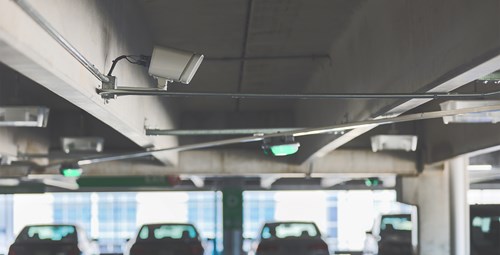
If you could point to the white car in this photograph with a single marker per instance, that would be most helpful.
(290, 238)
(53, 239)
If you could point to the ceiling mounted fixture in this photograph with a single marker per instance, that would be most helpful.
(82, 144)
(394, 142)
(70, 169)
(24, 116)
(168, 65)
(280, 146)
(477, 117)
(479, 167)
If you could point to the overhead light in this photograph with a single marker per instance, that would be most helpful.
(82, 144)
(23, 116)
(479, 167)
(168, 64)
(394, 142)
(11, 182)
(70, 169)
(479, 117)
(280, 146)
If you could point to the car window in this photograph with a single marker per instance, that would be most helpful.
(48, 233)
(485, 232)
(286, 230)
(392, 222)
(158, 232)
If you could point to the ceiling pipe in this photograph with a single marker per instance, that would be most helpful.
(43, 23)
(133, 91)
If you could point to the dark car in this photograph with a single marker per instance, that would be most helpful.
(53, 240)
(167, 239)
(485, 229)
(289, 238)
(391, 235)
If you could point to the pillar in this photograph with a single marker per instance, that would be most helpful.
(430, 192)
(232, 219)
(459, 206)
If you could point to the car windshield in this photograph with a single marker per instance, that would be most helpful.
(159, 232)
(485, 233)
(396, 222)
(61, 233)
(287, 230)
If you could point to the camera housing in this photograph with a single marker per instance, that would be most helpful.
(174, 65)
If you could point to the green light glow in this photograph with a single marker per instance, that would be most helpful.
(71, 172)
(284, 149)
(372, 182)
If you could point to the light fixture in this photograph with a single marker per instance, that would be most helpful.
(82, 144)
(23, 116)
(10, 182)
(394, 142)
(168, 64)
(479, 167)
(479, 117)
(280, 146)
(70, 169)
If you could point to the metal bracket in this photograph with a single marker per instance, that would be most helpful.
(111, 84)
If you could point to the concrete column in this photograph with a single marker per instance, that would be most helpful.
(429, 191)
(459, 206)
(232, 219)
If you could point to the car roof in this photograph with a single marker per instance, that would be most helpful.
(168, 224)
(289, 222)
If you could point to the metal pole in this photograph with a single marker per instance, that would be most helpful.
(246, 131)
(459, 206)
(135, 91)
(43, 23)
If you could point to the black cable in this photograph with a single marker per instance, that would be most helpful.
(142, 61)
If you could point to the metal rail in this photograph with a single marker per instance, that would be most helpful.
(302, 132)
(43, 23)
(134, 91)
(245, 131)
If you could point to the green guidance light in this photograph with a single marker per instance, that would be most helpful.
(70, 170)
(280, 146)
(285, 149)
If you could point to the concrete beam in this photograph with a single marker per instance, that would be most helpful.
(400, 47)
(251, 163)
(100, 30)
(444, 142)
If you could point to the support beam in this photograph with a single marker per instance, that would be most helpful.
(101, 30)
(244, 162)
(451, 140)
(413, 55)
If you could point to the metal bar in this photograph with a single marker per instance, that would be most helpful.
(246, 131)
(303, 132)
(261, 58)
(43, 23)
(133, 91)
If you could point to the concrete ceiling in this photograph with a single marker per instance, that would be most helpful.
(258, 46)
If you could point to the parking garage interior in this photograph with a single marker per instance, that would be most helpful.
(254, 127)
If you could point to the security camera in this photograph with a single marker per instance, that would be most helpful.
(173, 65)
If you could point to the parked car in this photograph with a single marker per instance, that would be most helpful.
(485, 229)
(166, 239)
(391, 235)
(53, 239)
(280, 238)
